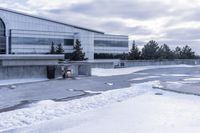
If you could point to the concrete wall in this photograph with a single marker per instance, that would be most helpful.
(128, 63)
(80, 68)
(27, 66)
(22, 72)
(102, 65)
(164, 62)
(30, 60)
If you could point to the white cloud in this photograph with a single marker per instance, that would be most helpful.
(51, 4)
(143, 20)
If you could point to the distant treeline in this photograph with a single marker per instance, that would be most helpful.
(152, 51)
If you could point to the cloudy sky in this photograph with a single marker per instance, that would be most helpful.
(175, 22)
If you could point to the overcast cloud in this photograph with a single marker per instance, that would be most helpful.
(173, 22)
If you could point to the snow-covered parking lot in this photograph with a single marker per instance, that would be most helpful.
(142, 107)
(138, 109)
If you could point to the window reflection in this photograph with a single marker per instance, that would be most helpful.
(41, 41)
(108, 43)
(2, 38)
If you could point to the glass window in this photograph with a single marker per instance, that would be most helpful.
(2, 37)
(69, 42)
(109, 43)
(41, 41)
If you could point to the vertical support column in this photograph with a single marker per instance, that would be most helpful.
(91, 46)
(87, 43)
(7, 44)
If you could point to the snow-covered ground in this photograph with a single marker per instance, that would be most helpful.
(140, 108)
(129, 70)
(192, 79)
(143, 78)
(129, 110)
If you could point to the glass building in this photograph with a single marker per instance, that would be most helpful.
(22, 33)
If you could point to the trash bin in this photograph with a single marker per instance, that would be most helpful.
(69, 73)
(51, 72)
(66, 73)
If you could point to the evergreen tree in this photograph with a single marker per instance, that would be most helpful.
(164, 52)
(59, 49)
(135, 53)
(187, 53)
(177, 53)
(77, 55)
(150, 50)
(124, 56)
(52, 51)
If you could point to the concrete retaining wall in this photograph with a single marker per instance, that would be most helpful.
(22, 72)
(102, 65)
(80, 68)
(164, 62)
(132, 63)
(27, 66)
(18, 68)
(107, 63)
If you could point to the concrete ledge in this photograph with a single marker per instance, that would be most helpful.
(29, 60)
(98, 63)
(35, 57)
(128, 63)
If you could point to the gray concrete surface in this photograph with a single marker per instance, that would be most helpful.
(59, 90)
(29, 60)
(130, 63)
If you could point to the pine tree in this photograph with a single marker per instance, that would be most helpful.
(164, 52)
(124, 56)
(77, 55)
(135, 53)
(59, 49)
(150, 50)
(52, 51)
(177, 53)
(187, 53)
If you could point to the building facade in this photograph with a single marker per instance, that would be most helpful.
(22, 33)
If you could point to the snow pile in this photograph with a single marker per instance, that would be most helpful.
(49, 110)
(169, 113)
(129, 70)
(175, 75)
(143, 78)
(157, 85)
(145, 113)
(192, 79)
(173, 85)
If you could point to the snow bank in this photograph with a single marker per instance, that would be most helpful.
(192, 79)
(129, 70)
(175, 75)
(140, 111)
(49, 110)
(143, 78)
(169, 113)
